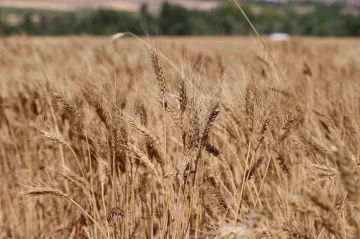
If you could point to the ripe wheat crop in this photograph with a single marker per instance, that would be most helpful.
(179, 138)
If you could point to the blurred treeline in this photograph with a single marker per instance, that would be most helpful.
(297, 19)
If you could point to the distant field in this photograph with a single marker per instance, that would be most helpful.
(179, 138)
(134, 5)
(127, 5)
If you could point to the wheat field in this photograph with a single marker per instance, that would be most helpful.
(179, 138)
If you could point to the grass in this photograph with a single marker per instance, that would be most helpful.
(193, 138)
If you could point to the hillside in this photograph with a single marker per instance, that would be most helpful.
(133, 5)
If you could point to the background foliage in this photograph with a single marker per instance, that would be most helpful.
(297, 19)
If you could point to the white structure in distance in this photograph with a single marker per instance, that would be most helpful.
(279, 36)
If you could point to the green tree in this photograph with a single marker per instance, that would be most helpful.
(173, 20)
(148, 21)
(28, 26)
